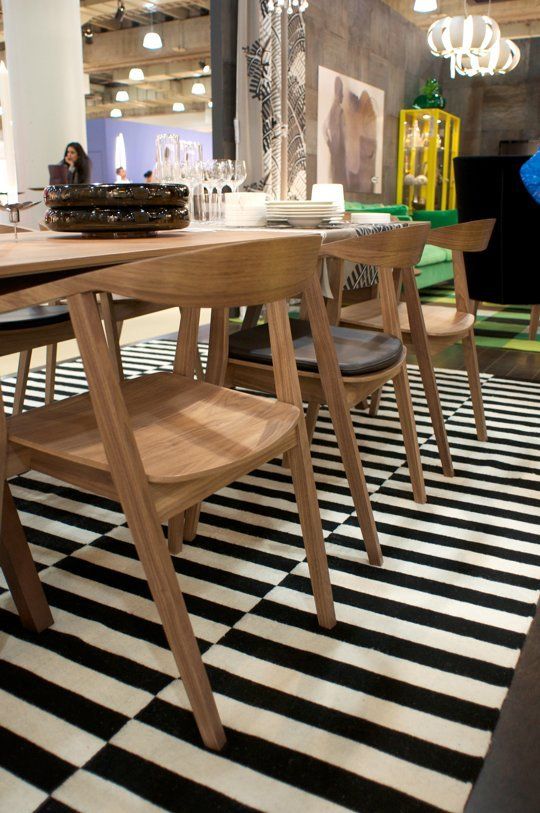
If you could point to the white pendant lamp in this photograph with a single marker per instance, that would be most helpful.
(136, 74)
(122, 96)
(152, 41)
(471, 34)
(178, 107)
(198, 89)
(116, 113)
(425, 6)
(501, 59)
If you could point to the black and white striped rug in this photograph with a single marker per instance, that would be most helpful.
(391, 711)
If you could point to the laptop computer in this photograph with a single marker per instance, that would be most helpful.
(58, 174)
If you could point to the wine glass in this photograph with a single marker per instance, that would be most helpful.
(239, 174)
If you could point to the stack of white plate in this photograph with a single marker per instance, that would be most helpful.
(244, 209)
(302, 213)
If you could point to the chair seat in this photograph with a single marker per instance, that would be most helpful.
(359, 352)
(34, 317)
(183, 428)
(439, 320)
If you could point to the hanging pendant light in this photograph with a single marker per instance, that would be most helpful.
(502, 58)
(425, 6)
(136, 74)
(198, 89)
(152, 40)
(122, 96)
(471, 34)
(116, 113)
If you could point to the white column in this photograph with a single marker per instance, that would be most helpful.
(45, 66)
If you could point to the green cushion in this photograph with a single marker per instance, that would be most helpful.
(447, 217)
(434, 254)
(434, 274)
(396, 209)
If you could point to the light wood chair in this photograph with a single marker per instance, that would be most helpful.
(365, 363)
(533, 324)
(163, 442)
(428, 329)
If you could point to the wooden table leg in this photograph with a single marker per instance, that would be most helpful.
(341, 418)
(20, 571)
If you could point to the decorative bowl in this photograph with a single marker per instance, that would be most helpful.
(121, 221)
(115, 194)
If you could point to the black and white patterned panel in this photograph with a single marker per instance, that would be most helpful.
(364, 276)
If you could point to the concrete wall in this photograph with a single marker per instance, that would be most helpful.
(367, 40)
(499, 108)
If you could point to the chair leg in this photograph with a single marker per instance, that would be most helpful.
(375, 402)
(535, 319)
(132, 486)
(19, 570)
(312, 413)
(22, 381)
(50, 372)
(410, 438)
(474, 304)
(475, 385)
(112, 333)
(191, 522)
(308, 509)
(175, 535)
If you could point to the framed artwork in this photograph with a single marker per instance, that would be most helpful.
(350, 123)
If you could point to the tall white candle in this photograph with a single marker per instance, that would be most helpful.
(9, 142)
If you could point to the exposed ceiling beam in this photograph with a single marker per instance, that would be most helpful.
(115, 49)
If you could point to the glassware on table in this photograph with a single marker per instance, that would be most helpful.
(239, 174)
(167, 157)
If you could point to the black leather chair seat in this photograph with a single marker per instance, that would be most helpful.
(36, 316)
(358, 351)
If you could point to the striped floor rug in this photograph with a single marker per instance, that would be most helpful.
(503, 326)
(392, 711)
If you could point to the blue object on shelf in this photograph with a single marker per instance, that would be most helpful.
(530, 175)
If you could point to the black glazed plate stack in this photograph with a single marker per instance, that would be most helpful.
(116, 210)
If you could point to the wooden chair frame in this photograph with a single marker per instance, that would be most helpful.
(137, 473)
(386, 250)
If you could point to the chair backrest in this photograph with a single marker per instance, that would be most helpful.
(250, 273)
(472, 236)
(398, 248)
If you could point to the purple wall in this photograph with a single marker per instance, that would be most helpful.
(140, 146)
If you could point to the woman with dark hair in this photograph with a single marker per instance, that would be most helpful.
(78, 164)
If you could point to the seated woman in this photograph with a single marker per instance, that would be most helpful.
(78, 164)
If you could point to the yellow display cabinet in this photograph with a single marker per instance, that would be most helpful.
(428, 144)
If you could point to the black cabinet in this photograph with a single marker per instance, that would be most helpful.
(508, 272)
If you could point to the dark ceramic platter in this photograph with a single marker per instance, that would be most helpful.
(115, 194)
(108, 221)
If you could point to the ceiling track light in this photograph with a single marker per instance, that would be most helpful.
(120, 12)
(204, 66)
(88, 34)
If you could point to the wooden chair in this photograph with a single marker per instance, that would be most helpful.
(163, 442)
(431, 328)
(365, 360)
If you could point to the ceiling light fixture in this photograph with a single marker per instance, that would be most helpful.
(136, 74)
(463, 39)
(425, 6)
(204, 66)
(198, 89)
(152, 40)
(120, 12)
(501, 59)
(116, 113)
(210, 105)
(178, 107)
(290, 6)
(122, 96)
(88, 34)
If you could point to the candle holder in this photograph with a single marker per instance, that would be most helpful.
(14, 211)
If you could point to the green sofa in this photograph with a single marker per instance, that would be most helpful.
(436, 263)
